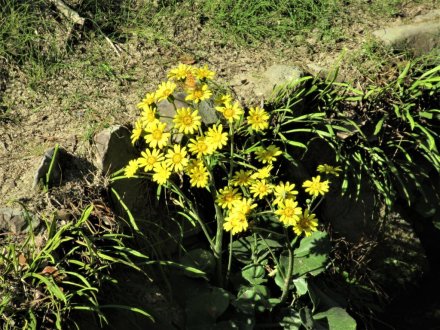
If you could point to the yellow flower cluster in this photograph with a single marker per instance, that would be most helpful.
(201, 148)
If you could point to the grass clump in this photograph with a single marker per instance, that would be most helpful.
(48, 281)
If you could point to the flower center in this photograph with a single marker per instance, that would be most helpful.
(187, 120)
(151, 160)
(229, 112)
(288, 212)
(198, 94)
(177, 158)
(229, 198)
(157, 134)
(257, 119)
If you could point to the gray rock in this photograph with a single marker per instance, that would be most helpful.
(264, 84)
(43, 170)
(421, 36)
(17, 221)
(167, 111)
(113, 149)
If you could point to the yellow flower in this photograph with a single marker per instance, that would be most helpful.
(235, 223)
(187, 121)
(161, 173)
(316, 187)
(137, 131)
(131, 169)
(148, 100)
(258, 119)
(245, 206)
(263, 173)
(192, 163)
(176, 158)
(199, 177)
(180, 72)
(242, 178)
(223, 99)
(231, 111)
(199, 93)
(164, 90)
(306, 224)
(227, 196)
(267, 155)
(284, 191)
(150, 158)
(260, 188)
(327, 169)
(204, 73)
(156, 137)
(199, 147)
(289, 212)
(148, 116)
(216, 138)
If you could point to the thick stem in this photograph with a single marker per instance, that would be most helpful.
(288, 277)
(228, 272)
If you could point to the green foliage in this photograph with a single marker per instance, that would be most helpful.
(386, 135)
(46, 279)
(311, 256)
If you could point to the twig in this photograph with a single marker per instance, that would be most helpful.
(68, 12)
(117, 51)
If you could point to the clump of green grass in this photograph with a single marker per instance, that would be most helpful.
(44, 280)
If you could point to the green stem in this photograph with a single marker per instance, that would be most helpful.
(317, 204)
(273, 256)
(288, 277)
(228, 272)
(194, 212)
(231, 155)
(218, 244)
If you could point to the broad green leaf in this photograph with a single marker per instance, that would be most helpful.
(301, 286)
(338, 319)
(251, 299)
(206, 307)
(254, 274)
(312, 254)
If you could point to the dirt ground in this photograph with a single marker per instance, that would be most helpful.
(100, 83)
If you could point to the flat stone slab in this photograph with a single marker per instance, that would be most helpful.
(263, 84)
(421, 36)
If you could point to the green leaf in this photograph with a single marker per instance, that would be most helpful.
(379, 125)
(242, 249)
(292, 321)
(312, 254)
(254, 274)
(199, 259)
(207, 306)
(301, 286)
(338, 319)
(50, 285)
(251, 299)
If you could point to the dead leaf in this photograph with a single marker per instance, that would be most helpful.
(22, 261)
(50, 270)
(187, 59)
